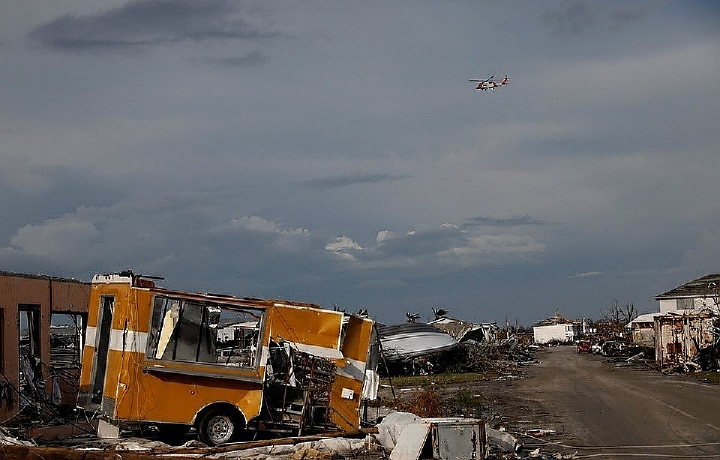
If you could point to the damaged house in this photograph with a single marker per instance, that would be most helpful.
(686, 330)
(642, 330)
(701, 295)
(556, 329)
(681, 338)
(235, 363)
(42, 319)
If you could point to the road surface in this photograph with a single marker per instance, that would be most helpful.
(600, 410)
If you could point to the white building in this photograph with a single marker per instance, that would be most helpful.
(700, 295)
(563, 332)
(642, 329)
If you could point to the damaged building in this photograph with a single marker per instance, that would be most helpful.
(556, 329)
(642, 329)
(686, 330)
(237, 364)
(701, 295)
(680, 338)
(42, 319)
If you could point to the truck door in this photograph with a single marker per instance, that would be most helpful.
(102, 345)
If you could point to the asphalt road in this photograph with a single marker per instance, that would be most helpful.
(600, 410)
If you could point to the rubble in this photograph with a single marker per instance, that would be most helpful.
(142, 449)
(308, 377)
(503, 440)
(409, 437)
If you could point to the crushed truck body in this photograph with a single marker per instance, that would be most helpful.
(221, 364)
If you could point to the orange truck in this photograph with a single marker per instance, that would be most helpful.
(222, 365)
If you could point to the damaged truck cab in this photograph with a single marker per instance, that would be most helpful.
(221, 364)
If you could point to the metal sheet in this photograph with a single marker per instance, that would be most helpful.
(410, 444)
(457, 441)
(410, 340)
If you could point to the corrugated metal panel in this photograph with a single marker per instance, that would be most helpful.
(108, 405)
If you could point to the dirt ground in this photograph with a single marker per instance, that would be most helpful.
(590, 407)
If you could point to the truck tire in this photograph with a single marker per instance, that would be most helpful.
(219, 426)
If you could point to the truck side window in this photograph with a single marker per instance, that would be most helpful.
(208, 333)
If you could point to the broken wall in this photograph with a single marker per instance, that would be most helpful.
(28, 304)
(679, 338)
(644, 334)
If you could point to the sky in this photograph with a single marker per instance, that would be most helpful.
(335, 152)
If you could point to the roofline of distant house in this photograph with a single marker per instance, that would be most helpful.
(41, 277)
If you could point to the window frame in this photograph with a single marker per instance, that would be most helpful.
(208, 334)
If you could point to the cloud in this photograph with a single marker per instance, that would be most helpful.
(585, 275)
(507, 222)
(573, 17)
(343, 181)
(344, 248)
(56, 239)
(152, 22)
(258, 224)
(252, 58)
(181, 237)
(439, 249)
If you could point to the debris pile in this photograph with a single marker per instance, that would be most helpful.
(291, 380)
(449, 345)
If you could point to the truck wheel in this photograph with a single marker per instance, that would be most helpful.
(218, 426)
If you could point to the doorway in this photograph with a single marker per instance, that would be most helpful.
(102, 345)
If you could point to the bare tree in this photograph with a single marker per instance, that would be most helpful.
(618, 315)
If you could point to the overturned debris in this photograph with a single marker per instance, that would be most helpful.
(503, 440)
(463, 330)
(297, 448)
(409, 437)
(411, 340)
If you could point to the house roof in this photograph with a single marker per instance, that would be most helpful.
(462, 330)
(646, 318)
(706, 286)
(40, 277)
(554, 320)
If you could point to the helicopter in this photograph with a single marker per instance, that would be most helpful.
(489, 83)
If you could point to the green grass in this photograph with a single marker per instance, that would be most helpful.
(707, 376)
(439, 379)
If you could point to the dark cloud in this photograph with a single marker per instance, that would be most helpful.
(343, 181)
(151, 22)
(508, 222)
(571, 18)
(574, 17)
(232, 161)
(252, 58)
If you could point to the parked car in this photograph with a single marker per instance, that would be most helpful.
(613, 348)
(583, 346)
